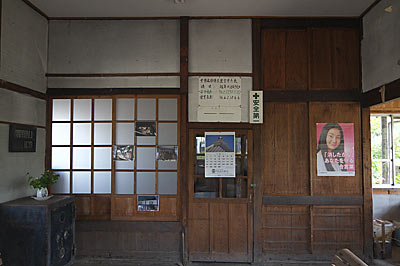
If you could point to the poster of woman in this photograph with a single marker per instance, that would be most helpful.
(335, 149)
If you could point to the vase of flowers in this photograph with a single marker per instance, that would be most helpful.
(41, 183)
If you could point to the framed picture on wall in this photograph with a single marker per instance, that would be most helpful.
(149, 203)
(123, 153)
(22, 138)
(145, 128)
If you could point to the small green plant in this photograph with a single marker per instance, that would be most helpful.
(46, 179)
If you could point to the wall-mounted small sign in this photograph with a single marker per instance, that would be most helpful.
(256, 107)
(149, 203)
(22, 138)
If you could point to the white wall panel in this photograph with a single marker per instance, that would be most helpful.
(23, 45)
(119, 46)
(247, 84)
(20, 108)
(14, 166)
(380, 45)
(220, 45)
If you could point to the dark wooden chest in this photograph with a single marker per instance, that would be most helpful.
(38, 233)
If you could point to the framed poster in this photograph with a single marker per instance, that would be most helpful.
(335, 149)
(220, 154)
(148, 203)
(22, 138)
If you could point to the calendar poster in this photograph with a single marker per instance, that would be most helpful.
(220, 154)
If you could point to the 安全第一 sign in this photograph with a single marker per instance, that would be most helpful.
(256, 107)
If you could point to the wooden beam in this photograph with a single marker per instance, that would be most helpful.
(223, 74)
(257, 148)
(369, 8)
(184, 133)
(21, 89)
(40, 12)
(367, 183)
(219, 125)
(374, 96)
(93, 91)
(273, 23)
(311, 95)
(21, 124)
(312, 200)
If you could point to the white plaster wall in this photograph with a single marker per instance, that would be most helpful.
(222, 45)
(386, 207)
(114, 82)
(119, 46)
(23, 45)
(380, 47)
(14, 166)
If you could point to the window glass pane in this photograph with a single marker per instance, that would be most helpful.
(102, 182)
(102, 109)
(245, 163)
(146, 183)
(167, 183)
(167, 109)
(120, 165)
(146, 109)
(61, 110)
(146, 158)
(125, 109)
(81, 158)
(200, 145)
(102, 133)
(380, 137)
(60, 134)
(82, 110)
(206, 187)
(146, 140)
(62, 185)
(396, 137)
(102, 158)
(238, 170)
(60, 158)
(167, 134)
(381, 172)
(199, 165)
(124, 182)
(167, 165)
(234, 188)
(238, 145)
(82, 134)
(81, 182)
(125, 133)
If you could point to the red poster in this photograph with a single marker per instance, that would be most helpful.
(335, 149)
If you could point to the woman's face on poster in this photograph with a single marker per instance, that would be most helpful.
(333, 139)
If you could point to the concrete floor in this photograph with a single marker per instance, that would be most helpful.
(92, 261)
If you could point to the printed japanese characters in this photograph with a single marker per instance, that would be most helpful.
(335, 149)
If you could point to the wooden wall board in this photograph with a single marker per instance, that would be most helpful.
(336, 113)
(386, 108)
(285, 146)
(346, 59)
(321, 59)
(336, 227)
(286, 229)
(284, 55)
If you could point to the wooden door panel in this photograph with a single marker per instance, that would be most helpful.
(238, 219)
(199, 236)
(321, 59)
(273, 59)
(219, 229)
